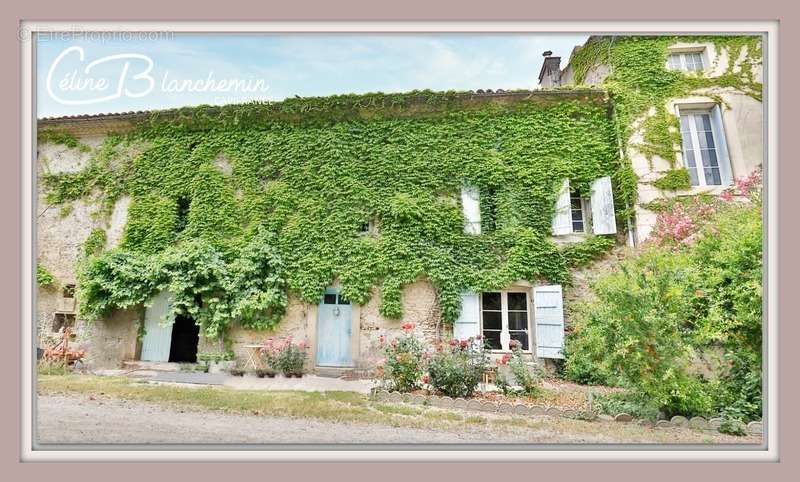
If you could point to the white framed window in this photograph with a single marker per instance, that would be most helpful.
(579, 211)
(687, 61)
(505, 316)
(575, 214)
(705, 153)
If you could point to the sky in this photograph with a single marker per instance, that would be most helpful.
(88, 74)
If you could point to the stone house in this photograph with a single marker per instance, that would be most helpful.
(724, 125)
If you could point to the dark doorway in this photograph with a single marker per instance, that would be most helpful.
(185, 335)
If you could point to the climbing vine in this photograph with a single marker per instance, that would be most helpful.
(44, 277)
(640, 84)
(234, 207)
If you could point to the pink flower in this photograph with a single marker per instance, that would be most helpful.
(382, 339)
(426, 379)
(408, 326)
(453, 342)
(727, 195)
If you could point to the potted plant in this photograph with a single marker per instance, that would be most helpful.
(217, 361)
(265, 372)
(237, 372)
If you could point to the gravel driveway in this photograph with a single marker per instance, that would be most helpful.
(79, 419)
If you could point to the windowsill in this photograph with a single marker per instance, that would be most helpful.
(569, 238)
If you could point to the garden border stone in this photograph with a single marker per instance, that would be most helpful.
(698, 423)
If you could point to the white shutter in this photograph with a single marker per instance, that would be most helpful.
(467, 324)
(562, 219)
(603, 219)
(470, 201)
(548, 315)
(723, 158)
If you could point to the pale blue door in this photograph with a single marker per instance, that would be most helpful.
(334, 330)
(157, 332)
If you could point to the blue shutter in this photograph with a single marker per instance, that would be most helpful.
(548, 304)
(468, 324)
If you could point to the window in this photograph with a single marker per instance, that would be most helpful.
(700, 148)
(63, 320)
(334, 299)
(369, 228)
(576, 209)
(68, 291)
(688, 61)
(182, 221)
(504, 317)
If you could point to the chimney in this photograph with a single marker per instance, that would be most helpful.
(550, 74)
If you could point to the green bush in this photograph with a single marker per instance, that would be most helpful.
(526, 378)
(457, 367)
(695, 287)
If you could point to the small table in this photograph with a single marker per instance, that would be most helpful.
(253, 356)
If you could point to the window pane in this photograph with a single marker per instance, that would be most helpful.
(712, 176)
(491, 301)
(702, 122)
(330, 299)
(674, 61)
(709, 157)
(517, 320)
(343, 300)
(518, 301)
(706, 140)
(689, 157)
(685, 123)
(522, 337)
(492, 339)
(492, 320)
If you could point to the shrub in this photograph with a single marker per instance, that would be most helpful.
(404, 361)
(695, 286)
(290, 357)
(456, 368)
(615, 403)
(732, 427)
(526, 377)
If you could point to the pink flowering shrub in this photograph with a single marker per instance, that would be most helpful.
(285, 355)
(680, 223)
(403, 363)
(456, 369)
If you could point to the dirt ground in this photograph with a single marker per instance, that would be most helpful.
(82, 419)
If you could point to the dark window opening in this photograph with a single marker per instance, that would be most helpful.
(68, 291)
(330, 299)
(183, 214)
(63, 320)
(518, 318)
(576, 205)
(185, 336)
(489, 210)
(343, 300)
(491, 307)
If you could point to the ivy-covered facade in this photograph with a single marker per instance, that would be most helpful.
(336, 219)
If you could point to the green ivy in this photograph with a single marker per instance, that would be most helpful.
(299, 178)
(95, 243)
(674, 180)
(44, 277)
(640, 84)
